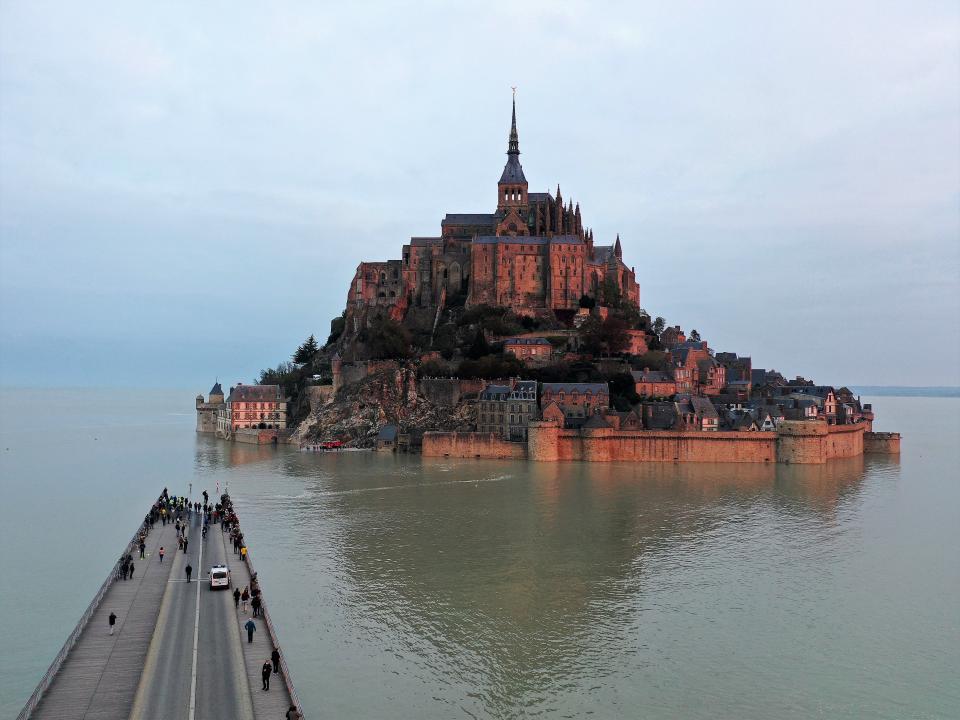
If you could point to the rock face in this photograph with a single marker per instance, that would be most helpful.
(358, 411)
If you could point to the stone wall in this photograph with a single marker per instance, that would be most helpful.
(253, 436)
(881, 442)
(319, 395)
(441, 391)
(471, 445)
(794, 442)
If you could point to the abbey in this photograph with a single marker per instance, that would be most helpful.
(532, 254)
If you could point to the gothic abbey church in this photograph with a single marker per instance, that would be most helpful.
(532, 255)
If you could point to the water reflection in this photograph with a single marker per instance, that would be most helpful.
(521, 581)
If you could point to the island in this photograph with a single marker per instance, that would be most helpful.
(517, 334)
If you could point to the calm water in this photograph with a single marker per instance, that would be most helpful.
(409, 588)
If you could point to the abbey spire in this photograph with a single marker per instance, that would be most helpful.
(512, 188)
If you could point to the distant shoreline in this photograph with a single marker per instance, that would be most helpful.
(907, 391)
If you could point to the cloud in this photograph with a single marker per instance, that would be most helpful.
(797, 165)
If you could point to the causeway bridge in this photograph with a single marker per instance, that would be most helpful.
(178, 651)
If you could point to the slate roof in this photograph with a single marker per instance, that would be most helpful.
(425, 241)
(469, 219)
(656, 376)
(528, 240)
(539, 197)
(526, 341)
(596, 421)
(216, 389)
(703, 407)
(513, 171)
(662, 416)
(602, 253)
(388, 433)
(576, 387)
(495, 392)
(255, 393)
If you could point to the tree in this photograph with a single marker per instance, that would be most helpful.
(695, 336)
(337, 326)
(305, 352)
(587, 302)
(658, 325)
(479, 347)
(608, 336)
(387, 339)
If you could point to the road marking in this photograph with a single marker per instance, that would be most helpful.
(196, 638)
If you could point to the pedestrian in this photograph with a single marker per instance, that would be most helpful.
(251, 628)
(131, 571)
(180, 542)
(255, 604)
(143, 546)
(265, 674)
(124, 569)
(293, 713)
(160, 553)
(189, 569)
(275, 657)
(243, 553)
(185, 541)
(113, 621)
(244, 597)
(236, 597)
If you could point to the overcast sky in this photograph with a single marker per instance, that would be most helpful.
(186, 188)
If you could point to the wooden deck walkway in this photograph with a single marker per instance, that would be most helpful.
(99, 678)
(275, 702)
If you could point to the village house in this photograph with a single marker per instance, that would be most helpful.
(711, 376)
(659, 415)
(529, 350)
(578, 401)
(697, 413)
(653, 383)
(672, 336)
(256, 406)
(387, 438)
(506, 410)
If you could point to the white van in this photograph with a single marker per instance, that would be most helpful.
(219, 577)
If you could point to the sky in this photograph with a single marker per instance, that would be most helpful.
(186, 189)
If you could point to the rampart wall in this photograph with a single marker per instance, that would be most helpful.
(795, 442)
(881, 442)
(471, 445)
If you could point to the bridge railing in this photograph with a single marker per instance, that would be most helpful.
(92, 608)
(287, 680)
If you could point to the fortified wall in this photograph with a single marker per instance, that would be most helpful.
(798, 442)
(471, 445)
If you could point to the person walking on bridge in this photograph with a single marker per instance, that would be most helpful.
(185, 541)
(236, 598)
(251, 627)
(113, 621)
(265, 674)
(189, 570)
(131, 570)
(160, 553)
(293, 713)
(275, 658)
(244, 597)
(143, 546)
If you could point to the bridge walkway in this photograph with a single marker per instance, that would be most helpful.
(99, 678)
(275, 702)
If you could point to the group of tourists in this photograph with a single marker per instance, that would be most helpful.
(179, 511)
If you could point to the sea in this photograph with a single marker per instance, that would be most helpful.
(408, 587)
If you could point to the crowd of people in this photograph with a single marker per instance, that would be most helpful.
(182, 512)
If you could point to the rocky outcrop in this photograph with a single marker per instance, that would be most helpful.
(358, 410)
